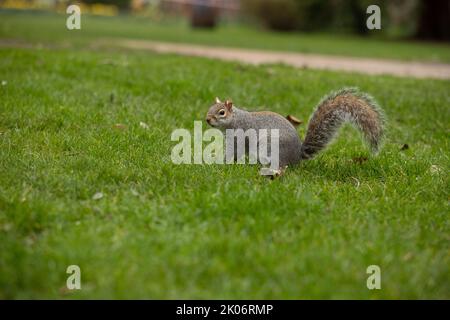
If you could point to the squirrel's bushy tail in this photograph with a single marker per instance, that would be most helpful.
(346, 105)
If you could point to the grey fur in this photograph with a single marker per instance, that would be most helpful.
(345, 105)
(357, 108)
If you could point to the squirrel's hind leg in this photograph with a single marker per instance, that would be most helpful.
(272, 173)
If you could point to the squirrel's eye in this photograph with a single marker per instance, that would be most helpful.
(222, 112)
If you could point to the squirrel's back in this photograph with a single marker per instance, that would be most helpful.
(289, 142)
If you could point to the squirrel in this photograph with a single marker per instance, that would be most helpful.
(348, 105)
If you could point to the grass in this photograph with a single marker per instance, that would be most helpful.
(46, 27)
(209, 231)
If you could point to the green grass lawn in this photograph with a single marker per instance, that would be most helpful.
(210, 231)
(45, 27)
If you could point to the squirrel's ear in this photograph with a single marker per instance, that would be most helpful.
(217, 100)
(228, 104)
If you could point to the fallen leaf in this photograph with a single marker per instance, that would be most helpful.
(64, 291)
(143, 125)
(114, 62)
(435, 168)
(357, 182)
(359, 160)
(119, 126)
(295, 122)
(97, 196)
(271, 71)
(241, 67)
(404, 147)
(407, 256)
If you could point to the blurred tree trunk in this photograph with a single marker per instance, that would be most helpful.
(434, 20)
(204, 14)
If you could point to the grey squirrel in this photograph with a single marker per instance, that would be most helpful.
(346, 105)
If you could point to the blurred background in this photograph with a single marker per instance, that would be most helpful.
(85, 121)
(401, 19)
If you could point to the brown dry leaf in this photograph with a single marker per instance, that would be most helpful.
(295, 122)
(119, 126)
(359, 160)
(64, 291)
(407, 256)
